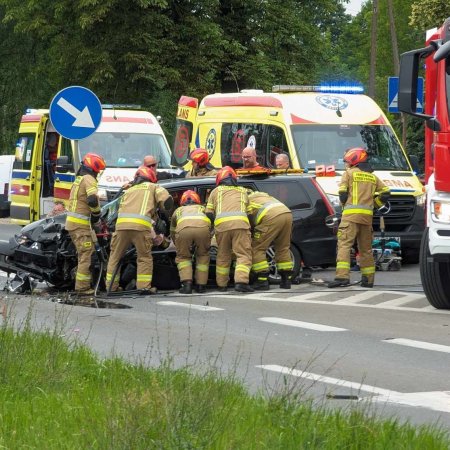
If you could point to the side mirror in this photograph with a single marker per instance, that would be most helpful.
(414, 160)
(63, 165)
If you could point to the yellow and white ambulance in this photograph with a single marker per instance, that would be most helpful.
(46, 163)
(314, 126)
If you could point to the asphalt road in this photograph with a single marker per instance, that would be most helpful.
(383, 349)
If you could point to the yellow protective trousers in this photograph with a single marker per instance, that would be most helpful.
(120, 242)
(82, 239)
(347, 233)
(239, 242)
(275, 230)
(184, 240)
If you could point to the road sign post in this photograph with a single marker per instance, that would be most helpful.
(75, 112)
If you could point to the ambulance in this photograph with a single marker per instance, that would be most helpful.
(46, 163)
(314, 126)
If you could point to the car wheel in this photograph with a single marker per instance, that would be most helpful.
(274, 276)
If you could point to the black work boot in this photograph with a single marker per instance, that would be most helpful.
(186, 288)
(200, 288)
(339, 282)
(365, 282)
(222, 288)
(243, 287)
(262, 282)
(285, 282)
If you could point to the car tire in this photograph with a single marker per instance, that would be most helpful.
(274, 277)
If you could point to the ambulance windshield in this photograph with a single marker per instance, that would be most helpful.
(126, 149)
(326, 144)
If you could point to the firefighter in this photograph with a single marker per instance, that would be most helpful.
(359, 192)
(201, 166)
(189, 227)
(227, 209)
(82, 214)
(134, 226)
(271, 222)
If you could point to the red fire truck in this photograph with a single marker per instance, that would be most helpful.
(435, 248)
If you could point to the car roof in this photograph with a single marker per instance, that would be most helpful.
(200, 181)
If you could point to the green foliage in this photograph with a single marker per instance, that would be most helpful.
(427, 14)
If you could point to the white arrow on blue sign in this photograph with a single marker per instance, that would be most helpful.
(393, 95)
(75, 112)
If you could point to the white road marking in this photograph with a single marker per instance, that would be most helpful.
(419, 344)
(366, 295)
(313, 298)
(299, 324)
(436, 400)
(190, 306)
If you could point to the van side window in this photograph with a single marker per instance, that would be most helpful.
(275, 143)
(66, 150)
(24, 151)
(235, 137)
(291, 193)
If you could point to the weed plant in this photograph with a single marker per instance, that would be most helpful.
(56, 394)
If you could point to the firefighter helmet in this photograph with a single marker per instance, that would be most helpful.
(354, 156)
(225, 172)
(94, 162)
(147, 173)
(200, 156)
(190, 197)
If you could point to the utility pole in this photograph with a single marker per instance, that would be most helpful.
(373, 49)
(396, 60)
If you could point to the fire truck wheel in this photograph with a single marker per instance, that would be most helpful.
(435, 276)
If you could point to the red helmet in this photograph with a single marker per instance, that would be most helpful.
(147, 173)
(200, 156)
(190, 195)
(356, 155)
(94, 162)
(225, 172)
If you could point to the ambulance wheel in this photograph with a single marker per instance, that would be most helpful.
(435, 277)
(274, 276)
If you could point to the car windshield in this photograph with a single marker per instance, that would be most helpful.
(326, 144)
(126, 149)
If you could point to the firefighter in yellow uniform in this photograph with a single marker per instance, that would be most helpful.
(201, 166)
(272, 223)
(359, 191)
(190, 226)
(227, 208)
(134, 226)
(84, 212)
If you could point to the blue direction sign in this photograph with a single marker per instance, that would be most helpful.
(75, 112)
(393, 95)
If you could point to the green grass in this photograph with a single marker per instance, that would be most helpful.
(59, 395)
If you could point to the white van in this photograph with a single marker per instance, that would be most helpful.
(6, 166)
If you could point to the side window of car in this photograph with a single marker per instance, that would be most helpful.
(291, 193)
(204, 192)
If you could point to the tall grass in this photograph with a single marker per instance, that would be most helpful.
(59, 395)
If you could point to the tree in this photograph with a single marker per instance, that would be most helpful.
(427, 14)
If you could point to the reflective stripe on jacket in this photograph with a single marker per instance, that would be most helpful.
(362, 189)
(263, 205)
(79, 211)
(229, 205)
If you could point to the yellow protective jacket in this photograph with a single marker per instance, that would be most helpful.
(79, 211)
(262, 205)
(202, 172)
(188, 216)
(361, 191)
(137, 209)
(229, 206)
